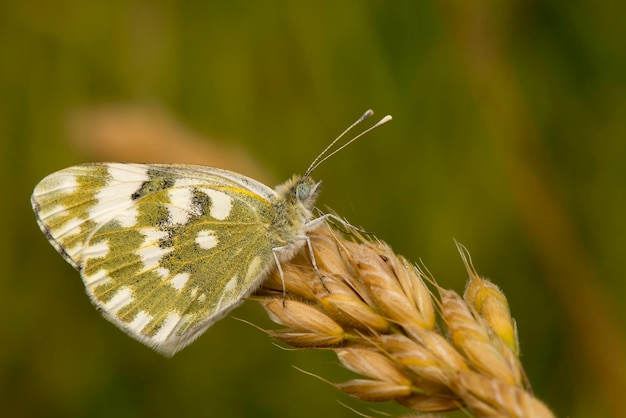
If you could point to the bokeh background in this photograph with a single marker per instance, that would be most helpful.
(509, 134)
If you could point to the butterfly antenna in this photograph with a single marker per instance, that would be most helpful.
(321, 158)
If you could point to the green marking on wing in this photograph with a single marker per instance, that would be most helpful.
(166, 250)
(208, 290)
(63, 202)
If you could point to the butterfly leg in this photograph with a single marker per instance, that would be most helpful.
(313, 261)
(326, 216)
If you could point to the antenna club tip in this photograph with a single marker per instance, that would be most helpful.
(367, 114)
(383, 121)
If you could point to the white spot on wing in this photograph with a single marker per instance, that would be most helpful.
(61, 181)
(179, 281)
(206, 239)
(153, 235)
(114, 199)
(67, 183)
(253, 269)
(163, 272)
(180, 205)
(168, 327)
(123, 297)
(221, 203)
(231, 285)
(150, 252)
(188, 182)
(141, 320)
(227, 293)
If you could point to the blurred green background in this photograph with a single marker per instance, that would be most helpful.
(508, 134)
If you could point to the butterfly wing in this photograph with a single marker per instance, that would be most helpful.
(164, 250)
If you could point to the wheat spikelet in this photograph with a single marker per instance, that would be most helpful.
(373, 308)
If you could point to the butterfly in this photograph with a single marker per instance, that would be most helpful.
(166, 250)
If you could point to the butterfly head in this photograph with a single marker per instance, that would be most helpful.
(301, 191)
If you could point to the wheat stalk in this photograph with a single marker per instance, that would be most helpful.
(374, 310)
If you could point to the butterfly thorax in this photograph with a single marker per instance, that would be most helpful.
(293, 207)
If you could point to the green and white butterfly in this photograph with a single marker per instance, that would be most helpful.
(166, 250)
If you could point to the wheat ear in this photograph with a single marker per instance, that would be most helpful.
(374, 310)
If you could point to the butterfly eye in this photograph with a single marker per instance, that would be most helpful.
(303, 191)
